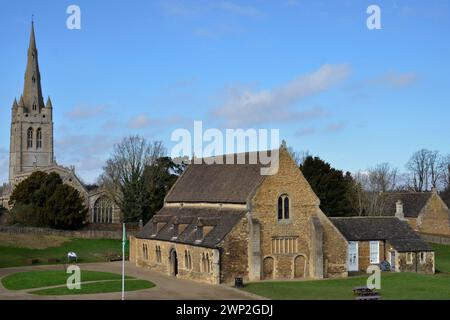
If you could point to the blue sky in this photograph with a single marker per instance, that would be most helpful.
(355, 97)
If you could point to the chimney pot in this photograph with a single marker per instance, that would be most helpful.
(399, 210)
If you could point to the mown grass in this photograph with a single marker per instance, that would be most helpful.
(442, 256)
(97, 287)
(49, 278)
(394, 286)
(88, 250)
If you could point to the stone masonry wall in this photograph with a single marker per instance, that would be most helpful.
(426, 266)
(304, 205)
(434, 218)
(196, 271)
(364, 254)
(234, 253)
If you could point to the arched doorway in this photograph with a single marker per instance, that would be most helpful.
(268, 267)
(299, 267)
(173, 263)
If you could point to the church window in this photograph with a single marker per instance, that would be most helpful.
(145, 251)
(30, 138)
(283, 207)
(39, 138)
(206, 265)
(158, 254)
(187, 260)
(103, 210)
(34, 106)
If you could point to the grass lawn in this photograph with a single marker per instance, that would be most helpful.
(393, 286)
(408, 286)
(97, 287)
(49, 278)
(442, 254)
(88, 250)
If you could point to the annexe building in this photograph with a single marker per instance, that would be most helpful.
(372, 240)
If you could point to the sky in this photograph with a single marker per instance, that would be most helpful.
(312, 69)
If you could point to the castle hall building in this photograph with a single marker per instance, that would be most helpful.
(32, 146)
(222, 221)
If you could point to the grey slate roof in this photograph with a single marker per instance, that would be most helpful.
(222, 221)
(217, 183)
(398, 233)
(413, 202)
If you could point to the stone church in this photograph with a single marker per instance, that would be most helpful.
(222, 221)
(32, 146)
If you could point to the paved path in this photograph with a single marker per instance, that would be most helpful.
(167, 288)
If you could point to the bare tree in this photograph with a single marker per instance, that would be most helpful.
(444, 168)
(123, 175)
(360, 199)
(418, 166)
(382, 178)
(427, 169)
(298, 156)
(374, 182)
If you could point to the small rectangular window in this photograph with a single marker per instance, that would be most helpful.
(409, 258)
(374, 252)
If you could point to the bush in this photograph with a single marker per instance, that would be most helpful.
(42, 200)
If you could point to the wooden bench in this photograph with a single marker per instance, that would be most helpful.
(365, 293)
(375, 297)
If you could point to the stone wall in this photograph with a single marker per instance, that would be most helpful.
(166, 263)
(304, 206)
(335, 249)
(364, 254)
(432, 238)
(80, 234)
(434, 218)
(234, 260)
(426, 266)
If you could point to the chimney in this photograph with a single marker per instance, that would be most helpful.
(399, 210)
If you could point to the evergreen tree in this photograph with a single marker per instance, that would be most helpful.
(42, 200)
(331, 186)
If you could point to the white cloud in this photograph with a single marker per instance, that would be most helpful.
(85, 111)
(244, 107)
(305, 132)
(238, 9)
(335, 127)
(399, 80)
(140, 122)
(3, 165)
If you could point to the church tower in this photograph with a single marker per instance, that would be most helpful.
(31, 142)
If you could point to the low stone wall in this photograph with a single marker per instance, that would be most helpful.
(432, 238)
(80, 234)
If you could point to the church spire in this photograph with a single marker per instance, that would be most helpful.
(32, 93)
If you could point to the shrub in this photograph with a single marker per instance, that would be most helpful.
(42, 200)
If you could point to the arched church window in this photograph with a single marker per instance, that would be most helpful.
(30, 138)
(283, 207)
(103, 210)
(39, 138)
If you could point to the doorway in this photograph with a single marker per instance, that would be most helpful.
(353, 256)
(392, 260)
(173, 263)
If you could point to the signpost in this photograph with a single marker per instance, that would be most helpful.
(124, 240)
